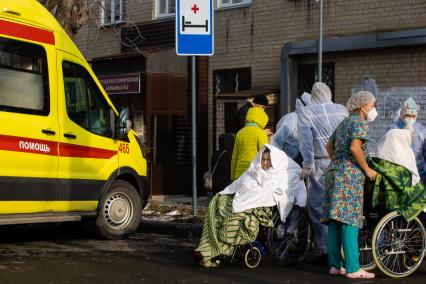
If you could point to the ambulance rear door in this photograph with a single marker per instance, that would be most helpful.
(29, 128)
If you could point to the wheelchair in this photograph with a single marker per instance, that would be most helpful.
(287, 242)
(251, 254)
(387, 241)
(398, 246)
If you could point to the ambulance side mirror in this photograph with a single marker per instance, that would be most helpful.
(123, 123)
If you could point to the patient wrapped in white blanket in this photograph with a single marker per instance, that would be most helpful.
(280, 185)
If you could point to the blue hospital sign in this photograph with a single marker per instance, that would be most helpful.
(194, 27)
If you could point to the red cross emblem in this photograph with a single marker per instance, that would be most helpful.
(195, 8)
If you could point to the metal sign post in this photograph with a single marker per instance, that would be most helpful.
(194, 141)
(321, 6)
(194, 37)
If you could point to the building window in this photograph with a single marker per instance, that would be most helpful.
(307, 76)
(231, 3)
(112, 12)
(165, 8)
(231, 80)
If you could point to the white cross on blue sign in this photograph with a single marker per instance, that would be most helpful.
(194, 27)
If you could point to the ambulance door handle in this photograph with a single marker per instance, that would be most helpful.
(48, 132)
(7, 10)
(70, 136)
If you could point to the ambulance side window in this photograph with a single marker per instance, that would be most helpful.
(24, 80)
(86, 106)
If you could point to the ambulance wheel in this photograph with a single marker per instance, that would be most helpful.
(119, 212)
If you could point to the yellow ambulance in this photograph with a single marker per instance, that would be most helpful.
(66, 154)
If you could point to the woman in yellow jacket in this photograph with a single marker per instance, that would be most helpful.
(248, 141)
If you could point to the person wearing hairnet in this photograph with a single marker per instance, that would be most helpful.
(408, 119)
(344, 186)
(316, 123)
(286, 137)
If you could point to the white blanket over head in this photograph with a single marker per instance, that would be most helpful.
(395, 148)
(280, 185)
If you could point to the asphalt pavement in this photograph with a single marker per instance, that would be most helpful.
(66, 254)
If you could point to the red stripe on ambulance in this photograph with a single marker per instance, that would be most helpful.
(22, 144)
(45, 147)
(26, 32)
(78, 151)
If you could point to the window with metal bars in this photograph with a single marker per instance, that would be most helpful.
(307, 76)
(231, 80)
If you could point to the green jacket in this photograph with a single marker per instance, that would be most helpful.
(248, 141)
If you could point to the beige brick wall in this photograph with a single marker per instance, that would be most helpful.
(139, 11)
(254, 36)
(97, 41)
(398, 73)
(393, 67)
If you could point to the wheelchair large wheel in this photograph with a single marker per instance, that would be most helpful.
(398, 245)
(290, 242)
(366, 260)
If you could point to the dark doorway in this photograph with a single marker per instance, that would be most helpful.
(171, 154)
(231, 109)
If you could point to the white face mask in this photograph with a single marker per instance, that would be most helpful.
(409, 121)
(371, 115)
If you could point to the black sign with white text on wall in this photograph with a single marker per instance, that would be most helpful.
(121, 84)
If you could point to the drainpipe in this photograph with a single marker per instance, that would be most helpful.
(321, 6)
(284, 80)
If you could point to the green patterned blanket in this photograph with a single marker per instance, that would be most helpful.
(223, 230)
(393, 189)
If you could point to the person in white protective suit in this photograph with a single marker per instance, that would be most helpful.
(261, 185)
(316, 123)
(408, 119)
(286, 134)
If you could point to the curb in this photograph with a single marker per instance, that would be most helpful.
(187, 231)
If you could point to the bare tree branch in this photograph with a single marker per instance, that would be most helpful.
(75, 14)
(71, 14)
(49, 4)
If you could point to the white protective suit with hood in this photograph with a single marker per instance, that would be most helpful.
(316, 124)
(278, 186)
(419, 134)
(286, 134)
